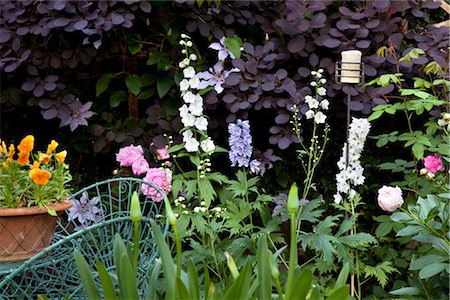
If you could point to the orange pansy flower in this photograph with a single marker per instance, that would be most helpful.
(52, 146)
(27, 144)
(61, 156)
(40, 176)
(35, 165)
(24, 158)
(44, 158)
(12, 151)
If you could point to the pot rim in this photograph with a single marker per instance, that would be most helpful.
(34, 210)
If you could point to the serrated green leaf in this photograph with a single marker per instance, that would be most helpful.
(380, 272)
(133, 83)
(163, 86)
(103, 83)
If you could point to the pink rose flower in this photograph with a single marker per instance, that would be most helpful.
(140, 166)
(433, 163)
(162, 153)
(129, 154)
(390, 198)
(160, 178)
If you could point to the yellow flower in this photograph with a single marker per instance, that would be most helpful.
(40, 176)
(27, 144)
(12, 151)
(3, 148)
(52, 146)
(44, 158)
(61, 156)
(24, 158)
(35, 165)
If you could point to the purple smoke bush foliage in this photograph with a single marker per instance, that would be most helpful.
(107, 53)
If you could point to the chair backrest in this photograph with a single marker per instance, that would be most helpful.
(100, 210)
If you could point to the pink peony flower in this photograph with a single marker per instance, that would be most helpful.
(129, 154)
(390, 198)
(160, 178)
(433, 163)
(140, 166)
(162, 153)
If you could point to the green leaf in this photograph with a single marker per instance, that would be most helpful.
(86, 276)
(52, 212)
(341, 293)
(206, 191)
(301, 286)
(263, 267)
(418, 150)
(343, 276)
(383, 229)
(103, 83)
(380, 272)
(431, 270)
(426, 260)
(193, 280)
(166, 260)
(410, 230)
(375, 115)
(154, 57)
(163, 86)
(134, 84)
(406, 291)
(127, 279)
(107, 285)
(234, 44)
(116, 98)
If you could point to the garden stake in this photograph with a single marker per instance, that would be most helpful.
(350, 70)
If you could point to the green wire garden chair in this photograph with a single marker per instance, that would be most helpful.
(98, 212)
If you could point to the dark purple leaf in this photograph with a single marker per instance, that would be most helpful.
(268, 86)
(418, 13)
(244, 105)
(59, 5)
(372, 24)
(229, 98)
(370, 70)
(356, 106)
(49, 113)
(22, 31)
(296, 44)
(345, 11)
(283, 143)
(396, 39)
(313, 60)
(363, 44)
(50, 86)
(253, 98)
(5, 35)
(345, 25)
(381, 5)
(303, 25)
(304, 72)
(28, 86)
(251, 67)
(318, 21)
(117, 19)
(61, 22)
(145, 6)
(270, 57)
(335, 33)
(362, 33)
(80, 24)
(282, 119)
(38, 91)
(45, 103)
(331, 43)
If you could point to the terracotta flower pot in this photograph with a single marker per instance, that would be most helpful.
(26, 231)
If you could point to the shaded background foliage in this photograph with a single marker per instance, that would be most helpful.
(112, 65)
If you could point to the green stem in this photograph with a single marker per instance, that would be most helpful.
(246, 195)
(136, 244)
(178, 247)
(293, 259)
(426, 226)
(215, 262)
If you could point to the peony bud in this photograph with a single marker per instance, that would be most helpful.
(390, 198)
(293, 202)
(135, 208)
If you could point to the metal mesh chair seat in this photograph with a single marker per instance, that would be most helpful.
(53, 272)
